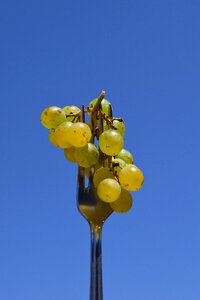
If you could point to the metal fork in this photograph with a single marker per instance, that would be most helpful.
(95, 212)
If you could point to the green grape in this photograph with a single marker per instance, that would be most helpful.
(106, 126)
(61, 135)
(108, 190)
(118, 164)
(69, 154)
(126, 156)
(101, 174)
(119, 126)
(116, 125)
(52, 137)
(124, 203)
(87, 156)
(104, 105)
(111, 142)
(71, 110)
(131, 178)
(79, 134)
(52, 116)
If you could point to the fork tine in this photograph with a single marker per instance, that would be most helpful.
(81, 178)
(81, 173)
(91, 175)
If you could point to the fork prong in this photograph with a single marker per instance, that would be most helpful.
(81, 177)
(90, 181)
(91, 174)
(81, 172)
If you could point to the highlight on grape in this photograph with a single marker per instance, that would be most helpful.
(92, 138)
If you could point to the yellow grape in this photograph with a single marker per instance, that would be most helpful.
(108, 190)
(71, 110)
(61, 135)
(101, 174)
(52, 137)
(87, 156)
(124, 203)
(119, 126)
(111, 142)
(52, 116)
(69, 154)
(131, 178)
(126, 156)
(79, 134)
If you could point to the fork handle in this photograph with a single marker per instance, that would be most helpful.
(96, 289)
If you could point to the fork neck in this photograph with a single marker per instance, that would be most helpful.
(97, 229)
(96, 289)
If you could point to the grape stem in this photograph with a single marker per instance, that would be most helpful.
(98, 103)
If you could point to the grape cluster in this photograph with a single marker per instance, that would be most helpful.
(97, 146)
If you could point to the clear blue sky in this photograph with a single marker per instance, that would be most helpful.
(146, 55)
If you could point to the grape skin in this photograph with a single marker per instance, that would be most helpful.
(126, 156)
(71, 109)
(101, 174)
(52, 137)
(124, 203)
(86, 156)
(79, 134)
(108, 190)
(52, 116)
(104, 105)
(131, 178)
(111, 142)
(69, 154)
(61, 135)
(119, 126)
(116, 125)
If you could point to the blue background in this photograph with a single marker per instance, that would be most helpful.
(145, 54)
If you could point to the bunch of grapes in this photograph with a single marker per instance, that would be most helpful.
(93, 138)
